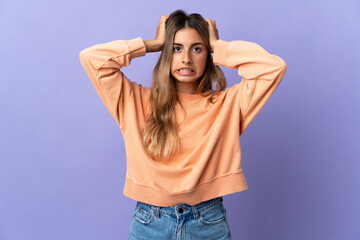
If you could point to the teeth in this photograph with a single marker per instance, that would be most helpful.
(185, 70)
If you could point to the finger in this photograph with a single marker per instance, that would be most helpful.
(211, 22)
(164, 17)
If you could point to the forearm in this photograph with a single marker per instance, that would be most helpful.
(114, 54)
(252, 61)
(153, 45)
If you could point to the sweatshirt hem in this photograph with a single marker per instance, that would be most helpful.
(219, 187)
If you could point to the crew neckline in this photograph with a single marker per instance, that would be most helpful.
(190, 96)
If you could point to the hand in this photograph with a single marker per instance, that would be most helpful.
(158, 43)
(160, 31)
(213, 33)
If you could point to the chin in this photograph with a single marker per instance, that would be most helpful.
(186, 79)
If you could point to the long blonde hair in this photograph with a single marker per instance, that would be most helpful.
(160, 136)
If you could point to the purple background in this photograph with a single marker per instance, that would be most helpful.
(62, 156)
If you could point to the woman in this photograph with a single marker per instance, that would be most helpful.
(181, 135)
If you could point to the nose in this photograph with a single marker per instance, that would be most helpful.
(186, 58)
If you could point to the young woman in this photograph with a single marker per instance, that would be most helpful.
(182, 134)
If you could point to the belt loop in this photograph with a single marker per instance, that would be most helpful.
(156, 211)
(195, 211)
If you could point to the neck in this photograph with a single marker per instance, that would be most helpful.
(188, 88)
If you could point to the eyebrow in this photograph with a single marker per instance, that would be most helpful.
(179, 44)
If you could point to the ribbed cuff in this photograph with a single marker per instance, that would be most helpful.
(136, 47)
(220, 52)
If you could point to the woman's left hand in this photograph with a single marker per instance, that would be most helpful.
(213, 33)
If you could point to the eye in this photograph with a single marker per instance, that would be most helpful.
(197, 49)
(176, 49)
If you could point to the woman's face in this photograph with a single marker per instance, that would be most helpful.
(188, 59)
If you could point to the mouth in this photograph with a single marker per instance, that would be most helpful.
(185, 71)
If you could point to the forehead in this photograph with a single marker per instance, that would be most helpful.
(187, 36)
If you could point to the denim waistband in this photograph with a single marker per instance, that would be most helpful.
(183, 209)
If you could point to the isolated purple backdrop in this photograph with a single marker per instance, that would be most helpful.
(62, 156)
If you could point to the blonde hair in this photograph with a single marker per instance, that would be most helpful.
(160, 136)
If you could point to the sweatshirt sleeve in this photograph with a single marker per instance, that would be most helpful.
(102, 63)
(261, 73)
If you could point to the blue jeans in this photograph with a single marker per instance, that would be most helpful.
(206, 220)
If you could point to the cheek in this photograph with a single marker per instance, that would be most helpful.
(174, 62)
(202, 62)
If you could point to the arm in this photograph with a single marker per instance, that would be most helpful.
(261, 71)
(102, 63)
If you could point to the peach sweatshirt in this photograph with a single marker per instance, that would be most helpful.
(209, 162)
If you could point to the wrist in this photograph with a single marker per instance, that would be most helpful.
(153, 45)
(212, 45)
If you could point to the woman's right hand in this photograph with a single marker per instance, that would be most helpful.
(158, 43)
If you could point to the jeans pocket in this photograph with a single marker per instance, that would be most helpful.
(143, 214)
(212, 215)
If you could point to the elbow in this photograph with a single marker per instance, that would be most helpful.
(283, 67)
(281, 64)
(83, 55)
(282, 70)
